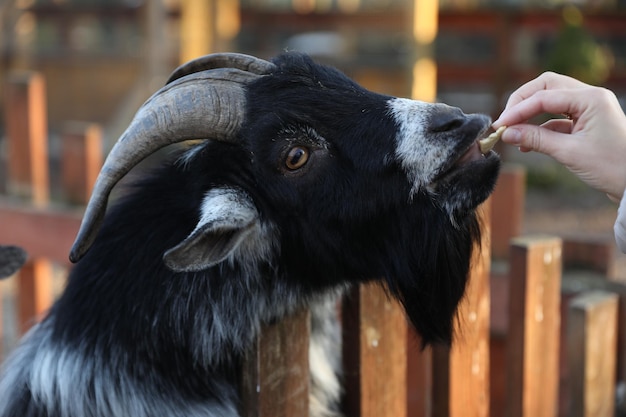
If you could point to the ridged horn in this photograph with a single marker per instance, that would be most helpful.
(202, 100)
(224, 60)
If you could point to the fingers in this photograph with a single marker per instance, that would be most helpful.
(537, 138)
(546, 81)
(549, 93)
(569, 101)
(559, 125)
(591, 145)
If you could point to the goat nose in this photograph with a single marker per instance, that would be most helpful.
(446, 118)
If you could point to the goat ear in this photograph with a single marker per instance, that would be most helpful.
(228, 217)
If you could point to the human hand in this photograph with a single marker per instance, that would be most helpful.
(591, 142)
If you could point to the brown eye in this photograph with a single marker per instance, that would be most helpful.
(296, 158)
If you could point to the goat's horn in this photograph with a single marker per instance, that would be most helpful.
(243, 62)
(208, 104)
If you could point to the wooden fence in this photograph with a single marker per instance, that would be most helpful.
(533, 338)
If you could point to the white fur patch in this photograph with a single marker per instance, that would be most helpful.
(227, 205)
(74, 382)
(420, 153)
(230, 206)
(325, 358)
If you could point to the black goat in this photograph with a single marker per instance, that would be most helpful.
(309, 184)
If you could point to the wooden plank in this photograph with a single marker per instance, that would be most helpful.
(275, 380)
(419, 378)
(43, 233)
(534, 323)
(592, 343)
(81, 160)
(499, 327)
(374, 353)
(578, 282)
(27, 133)
(469, 357)
(461, 373)
(34, 292)
(507, 216)
(591, 253)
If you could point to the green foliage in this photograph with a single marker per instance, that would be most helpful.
(576, 53)
(552, 176)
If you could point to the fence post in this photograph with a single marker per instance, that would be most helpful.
(534, 327)
(81, 160)
(374, 354)
(576, 283)
(34, 292)
(27, 131)
(461, 373)
(275, 378)
(592, 344)
(507, 216)
(589, 253)
(419, 378)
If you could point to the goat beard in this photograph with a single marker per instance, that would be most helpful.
(423, 257)
(431, 285)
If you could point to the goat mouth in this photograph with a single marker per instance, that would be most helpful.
(467, 155)
(478, 149)
(471, 154)
(468, 176)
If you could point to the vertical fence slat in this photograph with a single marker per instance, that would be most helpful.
(374, 352)
(507, 216)
(576, 283)
(27, 133)
(34, 288)
(419, 378)
(592, 343)
(275, 380)
(81, 160)
(461, 373)
(534, 320)
(593, 254)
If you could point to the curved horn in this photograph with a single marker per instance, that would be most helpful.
(243, 62)
(208, 104)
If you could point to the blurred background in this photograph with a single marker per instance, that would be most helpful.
(99, 60)
(102, 58)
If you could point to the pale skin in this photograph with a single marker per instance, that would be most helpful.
(591, 142)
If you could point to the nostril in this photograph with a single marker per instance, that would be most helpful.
(447, 119)
(448, 125)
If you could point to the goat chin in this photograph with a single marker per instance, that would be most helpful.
(323, 185)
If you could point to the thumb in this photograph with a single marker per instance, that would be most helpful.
(532, 138)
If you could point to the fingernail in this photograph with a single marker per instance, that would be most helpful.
(512, 136)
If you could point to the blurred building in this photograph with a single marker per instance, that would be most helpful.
(101, 58)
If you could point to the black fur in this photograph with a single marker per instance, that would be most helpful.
(348, 216)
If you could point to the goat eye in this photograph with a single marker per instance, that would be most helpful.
(296, 158)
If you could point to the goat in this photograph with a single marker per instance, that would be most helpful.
(304, 184)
